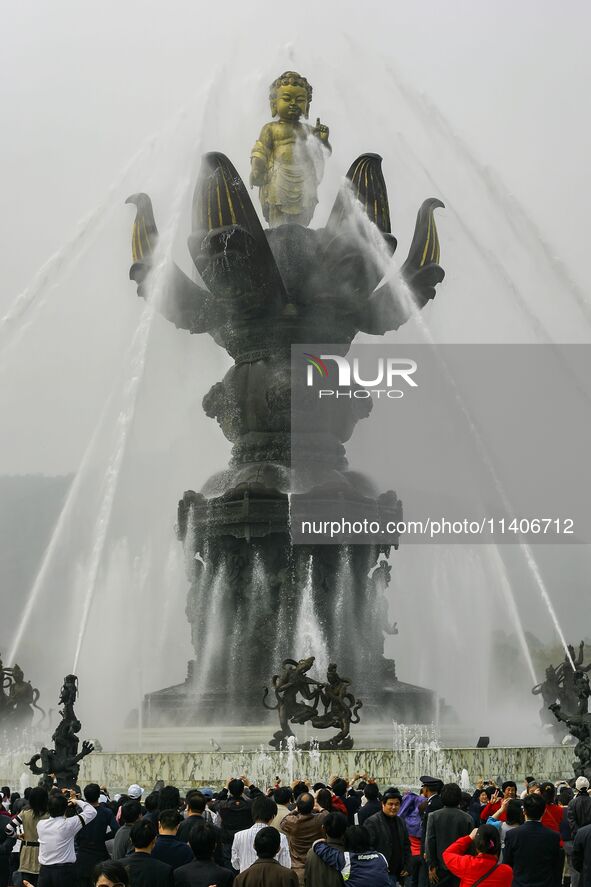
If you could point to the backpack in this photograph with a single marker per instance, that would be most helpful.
(410, 813)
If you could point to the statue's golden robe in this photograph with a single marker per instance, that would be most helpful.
(294, 161)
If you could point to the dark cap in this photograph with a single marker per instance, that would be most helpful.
(431, 782)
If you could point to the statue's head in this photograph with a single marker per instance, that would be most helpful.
(46, 756)
(332, 674)
(305, 665)
(290, 96)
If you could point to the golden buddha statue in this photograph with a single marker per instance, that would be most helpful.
(287, 161)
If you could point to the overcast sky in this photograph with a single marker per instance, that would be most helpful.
(86, 85)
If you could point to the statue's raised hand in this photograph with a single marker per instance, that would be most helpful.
(87, 748)
(321, 131)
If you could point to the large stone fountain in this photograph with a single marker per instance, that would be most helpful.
(252, 592)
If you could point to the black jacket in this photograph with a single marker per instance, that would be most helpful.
(578, 812)
(582, 854)
(147, 872)
(434, 803)
(368, 810)
(202, 874)
(173, 852)
(381, 838)
(236, 815)
(534, 853)
(317, 873)
(443, 828)
(6, 846)
(92, 837)
(90, 842)
(475, 809)
(188, 824)
(352, 803)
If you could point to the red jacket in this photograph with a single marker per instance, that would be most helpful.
(339, 806)
(491, 808)
(470, 868)
(553, 816)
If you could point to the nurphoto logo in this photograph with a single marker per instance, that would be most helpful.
(384, 372)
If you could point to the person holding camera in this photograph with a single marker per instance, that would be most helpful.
(57, 853)
(474, 859)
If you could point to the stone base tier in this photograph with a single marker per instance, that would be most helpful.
(183, 706)
(402, 767)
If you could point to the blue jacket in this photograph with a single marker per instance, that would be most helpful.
(368, 869)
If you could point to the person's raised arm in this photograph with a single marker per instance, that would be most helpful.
(502, 810)
(85, 813)
(456, 857)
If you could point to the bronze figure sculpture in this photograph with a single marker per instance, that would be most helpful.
(18, 699)
(549, 689)
(341, 708)
(572, 709)
(567, 684)
(292, 682)
(579, 725)
(60, 765)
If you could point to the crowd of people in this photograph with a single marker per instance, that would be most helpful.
(321, 835)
